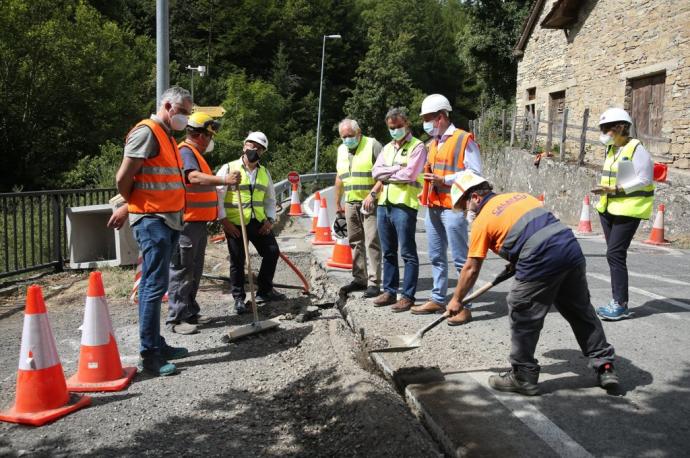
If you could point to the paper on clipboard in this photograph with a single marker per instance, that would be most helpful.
(626, 173)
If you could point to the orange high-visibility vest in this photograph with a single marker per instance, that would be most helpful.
(158, 186)
(201, 200)
(448, 160)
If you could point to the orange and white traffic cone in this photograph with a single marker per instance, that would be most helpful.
(100, 368)
(585, 225)
(315, 216)
(541, 197)
(656, 237)
(134, 297)
(323, 226)
(295, 205)
(42, 394)
(342, 255)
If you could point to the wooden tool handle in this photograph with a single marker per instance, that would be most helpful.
(247, 258)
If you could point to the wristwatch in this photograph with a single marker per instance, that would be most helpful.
(373, 194)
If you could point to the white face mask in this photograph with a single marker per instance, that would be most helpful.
(178, 122)
(430, 129)
(606, 139)
(210, 146)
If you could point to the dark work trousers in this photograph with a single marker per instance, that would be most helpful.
(530, 301)
(266, 246)
(186, 269)
(619, 232)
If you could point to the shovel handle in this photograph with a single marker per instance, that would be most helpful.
(504, 275)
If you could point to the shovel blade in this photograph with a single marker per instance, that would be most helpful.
(399, 343)
(253, 328)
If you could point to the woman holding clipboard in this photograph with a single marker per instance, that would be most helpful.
(627, 197)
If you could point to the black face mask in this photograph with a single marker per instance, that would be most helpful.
(252, 155)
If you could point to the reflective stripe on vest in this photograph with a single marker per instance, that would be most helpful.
(637, 204)
(252, 197)
(356, 173)
(202, 200)
(446, 161)
(534, 240)
(97, 326)
(158, 186)
(38, 350)
(401, 193)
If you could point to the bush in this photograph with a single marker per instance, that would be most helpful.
(96, 171)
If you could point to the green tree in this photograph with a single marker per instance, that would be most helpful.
(70, 81)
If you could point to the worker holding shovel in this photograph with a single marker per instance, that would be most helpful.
(258, 201)
(549, 269)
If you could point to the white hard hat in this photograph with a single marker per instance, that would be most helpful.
(258, 137)
(435, 102)
(467, 179)
(614, 115)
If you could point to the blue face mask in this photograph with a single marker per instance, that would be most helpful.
(351, 142)
(430, 129)
(398, 134)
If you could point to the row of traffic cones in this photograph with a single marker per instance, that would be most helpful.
(321, 228)
(42, 393)
(656, 237)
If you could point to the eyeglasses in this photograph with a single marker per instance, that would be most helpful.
(182, 110)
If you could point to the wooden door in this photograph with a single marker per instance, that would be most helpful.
(648, 104)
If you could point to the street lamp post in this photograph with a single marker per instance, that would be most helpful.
(201, 69)
(318, 118)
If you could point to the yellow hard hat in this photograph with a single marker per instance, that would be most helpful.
(202, 121)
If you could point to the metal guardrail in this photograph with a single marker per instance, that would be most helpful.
(33, 233)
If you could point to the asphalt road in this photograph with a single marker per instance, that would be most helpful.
(647, 417)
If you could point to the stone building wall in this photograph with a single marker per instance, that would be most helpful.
(612, 42)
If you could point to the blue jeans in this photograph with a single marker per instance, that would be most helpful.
(445, 227)
(156, 241)
(397, 225)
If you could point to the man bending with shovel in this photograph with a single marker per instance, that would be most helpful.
(549, 269)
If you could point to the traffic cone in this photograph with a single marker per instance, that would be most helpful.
(42, 394)
(342, 255)
(100, 368)
(315, 216)
(134, 297)
(540, 198)
(295, 205)
(323, 226)
(656, 237)
(585, 226)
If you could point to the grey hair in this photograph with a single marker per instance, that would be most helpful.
(175, 94)
(351, 122)
(397, 112)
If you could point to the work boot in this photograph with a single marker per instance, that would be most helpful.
(403, 305)
(269, 296)
(613, 311)
(199, 319)
(352, 287)
(240, 306)
(170, 352)
(384, 299)
(510, 381)
(462, 317)
(181, 327)
(607, 377)
(428, 308)
(156, 365)
(371, 291)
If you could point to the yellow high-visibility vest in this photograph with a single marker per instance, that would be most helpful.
(252, 196)
(637, 204)
(356, 173)
(401, 193)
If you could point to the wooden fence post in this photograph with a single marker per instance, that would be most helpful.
(549, 134)
(564, 126)
(535, 132)
(503, 125)
(583, 137)
(512, 128)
